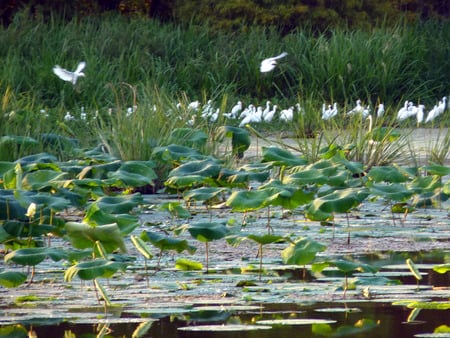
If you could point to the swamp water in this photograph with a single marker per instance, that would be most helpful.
(233, 300)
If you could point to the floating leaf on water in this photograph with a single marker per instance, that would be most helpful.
(188, 265)
(224, 328)
(302, 321)
(442, 268)
(433, 305)
(339, 309)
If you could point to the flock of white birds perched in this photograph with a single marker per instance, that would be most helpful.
(255, 114)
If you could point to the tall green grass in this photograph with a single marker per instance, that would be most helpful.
(165, 63)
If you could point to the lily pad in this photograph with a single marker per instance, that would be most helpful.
(224, 328)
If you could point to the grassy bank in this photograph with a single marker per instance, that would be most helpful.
(152, 65)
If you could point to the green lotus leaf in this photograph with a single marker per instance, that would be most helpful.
(437, 169)
(388, 174)
(8, 141)
(34, 256)
(135, 173)
(12, 279)
(306, 176)
(6, 166)
(240, 138)
(206, 168)
(176, 153)
(422, 184)
(248, 200)
(42, 200)
(281, 157)
(83, 235)
(302, 251)
(204, 193)
(286, 196)
(167, 243)
(344, 266)
(208, 231)
(94, 269)
(339, 201)
(76, 199)
(442, 268)
(187, 265)
(120, 204)
(394, 191)
(181, 182)
(356, 168)
(10, 208)
(266, 238)
(37, 158)
(99, 171)
(40, 179)
(242, 177)
(433, 305)
(25, 229)
(95, 216)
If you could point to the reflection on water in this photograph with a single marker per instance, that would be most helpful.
(382, 319)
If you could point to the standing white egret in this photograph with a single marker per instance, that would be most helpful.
(419, 114)
(358, 108)
(403, 112)
(236, 109)
(330, 112)
(269, 64)
(69, 76)
(268, 117)
(380, 110)
(287, 114)
(437, 110)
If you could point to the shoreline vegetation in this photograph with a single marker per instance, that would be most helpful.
(160, 68)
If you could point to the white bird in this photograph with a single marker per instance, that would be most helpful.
(69, 76)
(254, 116)
(267, 109)
(437, 110)
(237, 108)
(419, 114)
(69, 117)
(380, 110)
(270, 114)
(358, 108)
(287, 114)
(270, 63)
(403, 112)
(194, 106)
(366, 112)
(330, 112)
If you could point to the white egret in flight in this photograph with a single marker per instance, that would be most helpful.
(270, 63)
(69, 76)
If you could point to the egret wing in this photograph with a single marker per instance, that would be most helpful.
(62, 73)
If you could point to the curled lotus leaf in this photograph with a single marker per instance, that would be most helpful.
(208, 231)
(94, 269)
(281, 157)
(134, 174)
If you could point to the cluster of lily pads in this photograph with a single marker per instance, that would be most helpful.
(92, 203)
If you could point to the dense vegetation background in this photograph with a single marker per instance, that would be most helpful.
(232, 14)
